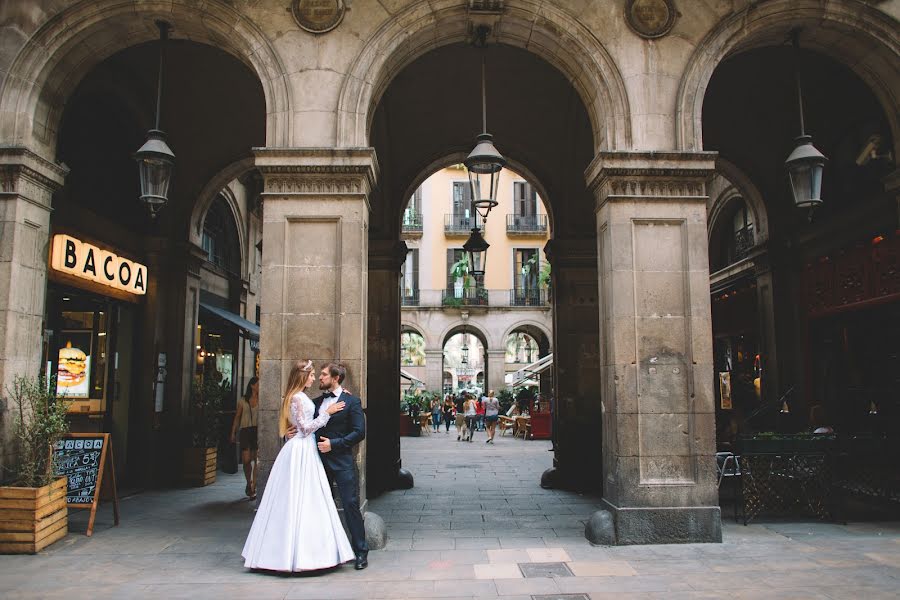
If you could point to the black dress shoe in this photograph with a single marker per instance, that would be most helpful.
(362, 561)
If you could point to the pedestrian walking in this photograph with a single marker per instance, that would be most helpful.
(245, 420)
(435, 415)
(448, 412)
(460, 416)
(471, 415)
(491, 416)
(479, 413)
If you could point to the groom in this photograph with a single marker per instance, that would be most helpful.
(343, 431)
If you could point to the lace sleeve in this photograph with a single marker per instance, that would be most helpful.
(306, 426)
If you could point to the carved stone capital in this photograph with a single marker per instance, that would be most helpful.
(317, 171)
(630, 176)
(387, 255)
(29, 176)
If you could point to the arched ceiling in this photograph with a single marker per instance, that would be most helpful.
(432, 108)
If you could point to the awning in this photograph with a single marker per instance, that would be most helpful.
(251, 330)
(407, 376)
(526, 375)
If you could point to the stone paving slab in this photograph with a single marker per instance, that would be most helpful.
(465, 532)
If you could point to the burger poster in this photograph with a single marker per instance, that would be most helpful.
(73, 371)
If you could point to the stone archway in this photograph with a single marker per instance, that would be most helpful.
(853, 33)
(546, 30)
(69, 45)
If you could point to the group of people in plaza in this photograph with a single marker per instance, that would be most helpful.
(469, 413)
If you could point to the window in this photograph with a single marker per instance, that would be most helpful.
(739, 240)
(409, 277)
(412, 216)
(462, 198)
(412, 349)
(455, 256)
(219, 239)
(527, 269)
(524, 199)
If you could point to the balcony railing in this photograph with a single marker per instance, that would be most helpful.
(743, 242)
(409, 297)
(412, 223)
(458, 223)
(473, 296)
(528, 297)
(526, 224)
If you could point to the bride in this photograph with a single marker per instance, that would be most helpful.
(297, 527)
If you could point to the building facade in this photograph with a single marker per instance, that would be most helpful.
(646, 119)
(509, 305)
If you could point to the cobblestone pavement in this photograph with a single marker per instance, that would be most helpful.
(476, 525)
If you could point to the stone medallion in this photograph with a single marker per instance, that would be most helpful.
(650, 18)
(318, 16)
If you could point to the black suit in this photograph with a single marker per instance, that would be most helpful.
(345, 429)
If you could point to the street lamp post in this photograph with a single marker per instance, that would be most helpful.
(805, 164)
(155, 159)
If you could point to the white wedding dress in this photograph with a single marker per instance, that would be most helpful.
(297, 527)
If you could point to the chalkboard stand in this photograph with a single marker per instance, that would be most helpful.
(106, 455)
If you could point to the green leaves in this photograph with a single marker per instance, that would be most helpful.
(40, 422)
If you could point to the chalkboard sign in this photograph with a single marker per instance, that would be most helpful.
(81, 457)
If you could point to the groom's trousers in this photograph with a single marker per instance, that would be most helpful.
(348, 489)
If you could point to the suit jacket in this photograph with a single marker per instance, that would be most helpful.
(345, 430)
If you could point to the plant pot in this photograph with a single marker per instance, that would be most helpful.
(32, 518)
(405, 425)
(200, 466)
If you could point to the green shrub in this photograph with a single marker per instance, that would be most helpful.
(40, 422)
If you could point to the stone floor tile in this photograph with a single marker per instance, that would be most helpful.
(498, 571)
(508, 587)
(618, 568)
(547, 555)
(508, 556)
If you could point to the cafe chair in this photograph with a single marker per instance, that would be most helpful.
(728, 466)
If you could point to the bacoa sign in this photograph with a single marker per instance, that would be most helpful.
(86, 261)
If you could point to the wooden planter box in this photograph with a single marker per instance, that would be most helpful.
(32, 518)
(200, 466)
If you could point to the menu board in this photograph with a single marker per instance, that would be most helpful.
(81, 457)
(79, 460)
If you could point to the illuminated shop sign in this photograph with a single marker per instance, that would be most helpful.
(86, 261)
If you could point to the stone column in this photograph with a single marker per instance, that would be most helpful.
(27, 183)
(315, 277)
(656, 346)
(434, 370)
(385, 259)
(496, 370)
(576, 381)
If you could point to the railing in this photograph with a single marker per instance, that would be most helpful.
(528, 297)
(473, 296)
(412, 223)
(409, 297)
(526, 223)
(743, 242)
(458, 223)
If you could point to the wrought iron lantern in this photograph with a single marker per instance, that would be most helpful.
(476, 247)
(155, 159)
(485, 162)
(805, 164)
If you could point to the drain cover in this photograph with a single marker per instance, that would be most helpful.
(551, 569)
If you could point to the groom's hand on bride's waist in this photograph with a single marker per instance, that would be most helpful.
(291, 432)
(324, 445)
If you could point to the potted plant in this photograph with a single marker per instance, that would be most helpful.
(33, 511)
(201, 456)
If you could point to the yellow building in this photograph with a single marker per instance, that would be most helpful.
(505, 318)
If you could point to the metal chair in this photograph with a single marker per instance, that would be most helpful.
(728, 466)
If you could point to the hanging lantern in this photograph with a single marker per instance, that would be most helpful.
(476, 247)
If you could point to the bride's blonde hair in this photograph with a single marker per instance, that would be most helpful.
(296, 383)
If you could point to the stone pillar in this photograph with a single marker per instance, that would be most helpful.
(656, 346)
(434, 370)
(576, 380)
(315, 276)
(496, 370)
(27, 183)
(385, 259)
